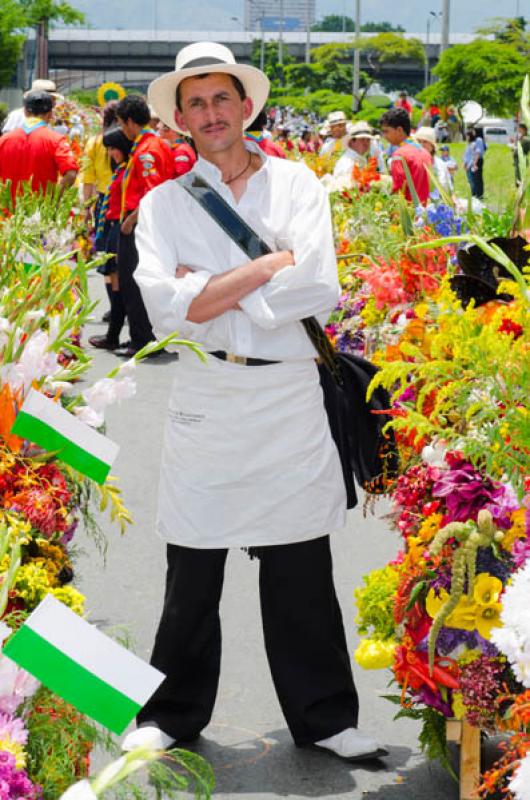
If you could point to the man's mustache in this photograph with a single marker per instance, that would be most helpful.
(210, 125)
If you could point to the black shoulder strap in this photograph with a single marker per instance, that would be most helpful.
(216, 206)
(242, 234)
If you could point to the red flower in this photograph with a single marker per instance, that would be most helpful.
(509, 326)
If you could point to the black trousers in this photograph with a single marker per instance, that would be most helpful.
(304, 638)
(139, 325)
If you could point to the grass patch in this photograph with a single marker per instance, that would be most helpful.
(499, 175)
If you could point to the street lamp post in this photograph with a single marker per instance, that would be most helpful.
(262, 48)
(356, 57)
(280, 36)
(435, 16)
(308, 33)
(446, 13)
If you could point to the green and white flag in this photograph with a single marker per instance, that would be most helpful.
(49, 425)
(76, 661)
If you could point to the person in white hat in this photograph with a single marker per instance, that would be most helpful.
(248, 459)
(426, 136)
(356, 143)
(337, 122)
(16, 117)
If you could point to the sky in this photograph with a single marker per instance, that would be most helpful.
(219, 14)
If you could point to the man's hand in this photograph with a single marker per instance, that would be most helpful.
(128, 224)
(181, 271)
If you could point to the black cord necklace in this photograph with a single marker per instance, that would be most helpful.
(231, 180)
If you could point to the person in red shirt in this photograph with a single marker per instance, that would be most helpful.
(404, 102)
(35, 154)
(255, 134)
(150, 163)
(183, 153)
(395, 127)
(107, 236)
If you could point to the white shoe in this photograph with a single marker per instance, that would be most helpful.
(149, 736)
(352, 745)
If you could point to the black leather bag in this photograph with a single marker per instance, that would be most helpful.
(356, 424)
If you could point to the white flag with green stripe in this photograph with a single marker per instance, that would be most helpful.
(48, 424)
(76, 661)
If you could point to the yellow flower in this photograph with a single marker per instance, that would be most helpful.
(16, 750)
(486, 589)
(488, 617)
(517, 531)
(71, 598)
(434, 603)
(468, 656)
(464, 615)
(429, 528)
(459, 709)
(421, 310)
(375, 654)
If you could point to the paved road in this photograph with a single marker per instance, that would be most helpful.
(247, 742)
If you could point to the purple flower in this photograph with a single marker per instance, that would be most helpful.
(13, 728)
(505, 503)
(14, 783)
(465, 490)
(501, 568)
(521, 552)
(451, 638)
(434, 700)
(408, 396)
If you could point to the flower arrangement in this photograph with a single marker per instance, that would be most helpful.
(45, 743)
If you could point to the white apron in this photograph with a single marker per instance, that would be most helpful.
(248, 457)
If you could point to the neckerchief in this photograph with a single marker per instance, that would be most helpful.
(128, 168)
(31, 124)
(412, 142)
(254, 137)
(104, 207)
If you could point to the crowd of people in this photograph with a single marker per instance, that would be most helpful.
(135, 151)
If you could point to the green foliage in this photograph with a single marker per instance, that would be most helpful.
(85, 97)
(3, 112)
(508, 31)
(432, 738)
(271, 67)
(337, 22)
(490, 73)
(12, 21)
(389, 48)
(58, 745)
(38, 11)
(375, 603)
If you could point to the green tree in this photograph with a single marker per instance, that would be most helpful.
(271, 66)
(381, 27)
(335, 23)
(12, 22)
(490, 73)
(47, 12)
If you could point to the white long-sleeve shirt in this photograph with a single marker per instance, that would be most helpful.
(285, 204)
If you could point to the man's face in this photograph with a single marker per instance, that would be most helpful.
(338, 130)
(165, 132)
(212, 111)
(360, 145)
(393, 136)
(129, 128)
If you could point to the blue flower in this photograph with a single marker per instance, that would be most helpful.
(444, 229)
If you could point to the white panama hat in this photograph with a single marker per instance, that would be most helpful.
(425, 134)
(44, 85)
(358, 130)
(336, 118)
(202, 58)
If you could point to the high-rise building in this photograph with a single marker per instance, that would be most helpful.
(275, 15)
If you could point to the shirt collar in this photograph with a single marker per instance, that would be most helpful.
(212, 173)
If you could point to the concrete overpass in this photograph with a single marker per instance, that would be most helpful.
(87, 57)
